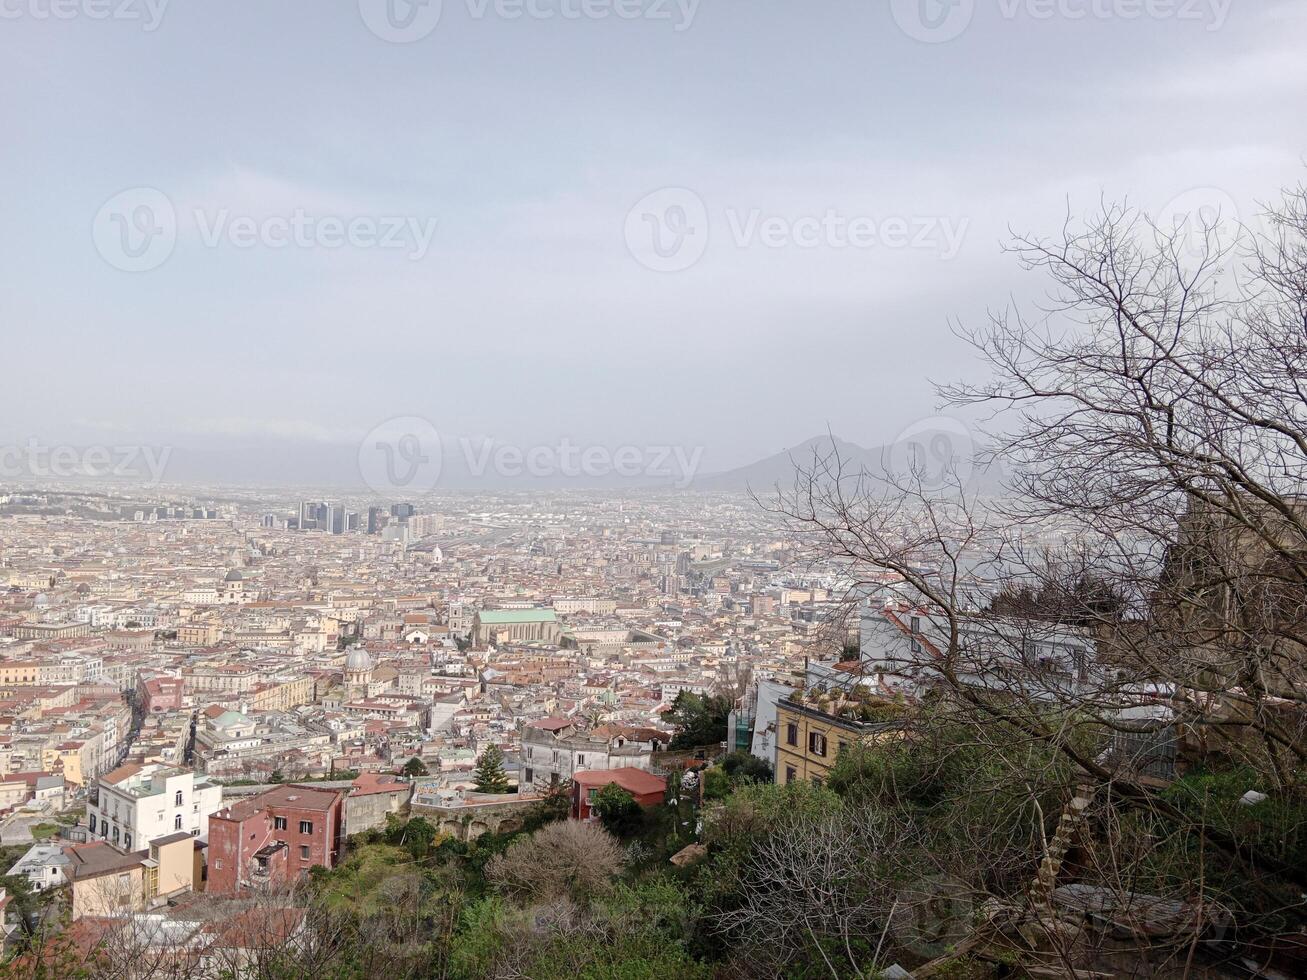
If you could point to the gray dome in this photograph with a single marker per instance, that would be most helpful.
(234, 576)
(358, 659)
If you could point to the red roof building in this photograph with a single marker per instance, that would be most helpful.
(274, 838)
(648, 789)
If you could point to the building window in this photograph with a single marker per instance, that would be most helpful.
(530, 776)
(843, 746)
(177, 822)
(791, 734)
(217, 865)
(790, 774)
(916, 632)
(92, 824)
(278, 823)
(304, 852)
(127, 841)
(817, 743)
(306, 826)
(177, 800)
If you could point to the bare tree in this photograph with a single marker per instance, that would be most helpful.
(1154, 423)
(808, 895)
(560, 859)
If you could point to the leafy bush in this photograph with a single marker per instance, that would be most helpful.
(699, 719)
(746, 767)
(617, 810)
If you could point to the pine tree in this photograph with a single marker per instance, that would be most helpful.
(490, 776)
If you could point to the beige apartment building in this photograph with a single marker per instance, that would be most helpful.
(282, 695)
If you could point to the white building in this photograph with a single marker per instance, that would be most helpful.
(140, 803)
(44, 866)
(554, 750)
(905, 647)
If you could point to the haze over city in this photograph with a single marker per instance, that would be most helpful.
(511, 146)
(653, 490)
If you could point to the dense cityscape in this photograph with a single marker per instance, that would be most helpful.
(653, 490)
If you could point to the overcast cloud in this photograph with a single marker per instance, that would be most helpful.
(443, 228)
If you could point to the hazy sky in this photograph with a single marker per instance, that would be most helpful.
(272, 129)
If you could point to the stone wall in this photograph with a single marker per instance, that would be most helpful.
(474, 815)
(369, 810)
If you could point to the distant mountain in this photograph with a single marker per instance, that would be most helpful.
(469, 465)
(781, 468)
(930, 452)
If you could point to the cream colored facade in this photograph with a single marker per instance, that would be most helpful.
(20, 672)
(808, 741)
(110, 893)
(282, 695)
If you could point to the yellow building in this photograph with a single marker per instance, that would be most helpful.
(170, 868)
(809, 737)
(77, 759)
(282, 695)
(19, 672)
(109, 881)
(199, 634)
(106, 880)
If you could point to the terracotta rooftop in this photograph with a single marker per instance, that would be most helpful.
(552, 724)
(632, 780)
(126, 771)
(299, 797)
